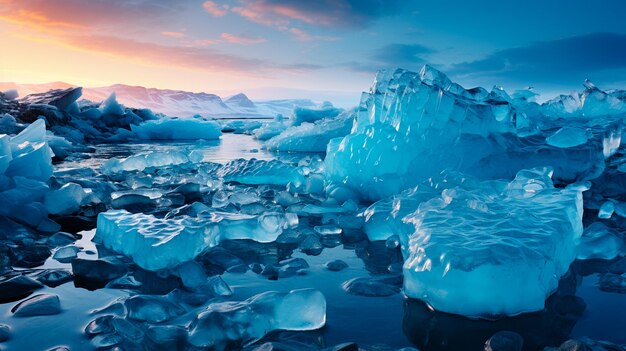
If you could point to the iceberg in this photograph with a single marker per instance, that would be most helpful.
(494, 249)
(310, 115)
(177, 129)
(223, 323)
(411, 126)
(312, 137)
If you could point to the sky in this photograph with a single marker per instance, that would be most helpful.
(319, 49)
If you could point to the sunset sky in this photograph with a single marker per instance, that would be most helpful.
(315, 49)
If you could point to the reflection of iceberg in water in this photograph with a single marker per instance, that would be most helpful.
(436, 331)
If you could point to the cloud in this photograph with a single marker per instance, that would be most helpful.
(328, 13)
(402, 54)
(173, 34)
(242, 39)
(78, 24)
(54, 16)
(562, 61)
(215, 9)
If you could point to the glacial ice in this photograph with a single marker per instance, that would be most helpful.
(312, 137)
(255, 171)
(600, 242)
(411, 126)
(30, 155)
(177, 129)
(155, 243)
(270, 129)
(475, 252)
(310, 115)
(142, 161)
(65, 200)
(248, 321)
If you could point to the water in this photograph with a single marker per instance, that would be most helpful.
(380, 323)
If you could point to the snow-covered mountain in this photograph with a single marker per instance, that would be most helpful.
(176, 102)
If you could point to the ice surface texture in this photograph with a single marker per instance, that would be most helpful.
(25, 167)
(411, 126)
(312, 137)
(223, 323)
(155, 243)
(493, 249)
(177, 129)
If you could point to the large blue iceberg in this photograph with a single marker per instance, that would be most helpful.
(411, 126)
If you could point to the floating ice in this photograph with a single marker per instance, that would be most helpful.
(568, 137)
(411, 126)
(30, 155)
(270, 130)
(38, 305)
(224, 323)
(241, 127)
(65, 200)
(142, 161)
(255, 171)
(177, 129)
(155, 243)
(495, 249)
(310, 115)
(600, 242)
(312, 137)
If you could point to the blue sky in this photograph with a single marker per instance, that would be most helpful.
(328, 49)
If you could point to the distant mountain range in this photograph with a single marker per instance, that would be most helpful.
(175, 102)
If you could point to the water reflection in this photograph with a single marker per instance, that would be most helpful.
(436, 331)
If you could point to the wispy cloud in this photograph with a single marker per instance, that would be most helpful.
(215, 9)
(242, 39)
(79, 27)
(329, 13)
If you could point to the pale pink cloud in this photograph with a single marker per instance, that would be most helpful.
(215, 9)
(173, 34)
(242, 39)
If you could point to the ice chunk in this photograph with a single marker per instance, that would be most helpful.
(101, 270)
(224, 323)
(568, 137)
(373, 286)
(110, 106)
(38, 305)
(411, 126)
(269, 130)
(30, 155)
(312, 137)
(255, 172)
(496, 249)
(310, 115)
(151, 242)
(155, 243)
(177, 129)
(66, 200)
(241, 127)
(600, 242)
(5, 332)
(65, 254)
(152, 309)
(17, 286)
(142, 161)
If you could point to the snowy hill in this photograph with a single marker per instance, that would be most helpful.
(175, 102)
